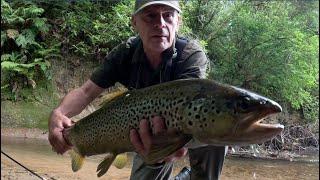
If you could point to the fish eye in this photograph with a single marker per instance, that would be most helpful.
(243, 104)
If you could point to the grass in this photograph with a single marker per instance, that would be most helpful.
(33, 111)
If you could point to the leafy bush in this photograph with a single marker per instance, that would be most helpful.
(24, 56)
(93, 28)
(267, 46)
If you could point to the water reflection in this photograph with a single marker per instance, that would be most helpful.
(37, 155)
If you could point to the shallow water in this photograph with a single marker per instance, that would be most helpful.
(37, 155)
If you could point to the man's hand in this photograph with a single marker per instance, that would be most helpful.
(142, 140)
(57, 123)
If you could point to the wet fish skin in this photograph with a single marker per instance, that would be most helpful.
(210, 112)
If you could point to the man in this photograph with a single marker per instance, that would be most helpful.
(157, 55)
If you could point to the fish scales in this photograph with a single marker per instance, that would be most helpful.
(204, 110)
(111, 124)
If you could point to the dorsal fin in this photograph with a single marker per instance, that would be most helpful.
(118, 90)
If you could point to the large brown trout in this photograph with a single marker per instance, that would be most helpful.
(194, 109)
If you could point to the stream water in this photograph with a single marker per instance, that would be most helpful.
(37, 155)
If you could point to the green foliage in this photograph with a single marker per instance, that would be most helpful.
(24, 55)
(268, 46)
(93, 29)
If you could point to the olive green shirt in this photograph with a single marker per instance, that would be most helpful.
(128, 64)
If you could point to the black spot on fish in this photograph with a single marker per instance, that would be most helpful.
(180, 101)
(195, 108)
(190, 123)
(205, 110)
(189, 114)
(197, 116)
(217, 111)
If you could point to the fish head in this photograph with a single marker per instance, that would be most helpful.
(232, 116)
(249, 109)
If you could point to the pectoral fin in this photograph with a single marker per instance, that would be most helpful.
(105, 164)
(164, 144)
(76, 160)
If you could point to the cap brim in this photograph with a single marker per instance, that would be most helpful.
(155, 3)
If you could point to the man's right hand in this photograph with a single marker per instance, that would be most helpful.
(57, 123)
(72, 104)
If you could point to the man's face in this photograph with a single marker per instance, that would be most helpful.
(156, 25)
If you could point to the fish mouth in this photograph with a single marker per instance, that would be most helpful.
(251, 130)
(259, 132)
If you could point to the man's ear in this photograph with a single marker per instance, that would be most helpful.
(134, 23)
(179, 23)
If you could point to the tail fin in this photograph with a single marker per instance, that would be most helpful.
(76, 160)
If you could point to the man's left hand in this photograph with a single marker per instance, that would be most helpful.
(142, 140)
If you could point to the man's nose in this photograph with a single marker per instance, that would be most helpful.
(160, 22)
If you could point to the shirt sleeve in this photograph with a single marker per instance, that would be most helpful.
(194, 62)
(108, 73)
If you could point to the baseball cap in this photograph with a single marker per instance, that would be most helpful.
(141, 4)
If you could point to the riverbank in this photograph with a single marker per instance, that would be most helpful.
(25, 133)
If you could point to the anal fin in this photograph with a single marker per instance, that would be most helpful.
(105, 164)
